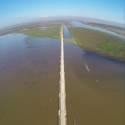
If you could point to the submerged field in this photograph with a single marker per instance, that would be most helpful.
(35, 29)
(99, 42)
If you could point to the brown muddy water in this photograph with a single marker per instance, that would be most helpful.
(29, 82)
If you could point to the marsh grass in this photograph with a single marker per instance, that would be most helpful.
(110, 46)
(78, 41)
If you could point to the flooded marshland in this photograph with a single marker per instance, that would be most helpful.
(29, 83)
(29, 77)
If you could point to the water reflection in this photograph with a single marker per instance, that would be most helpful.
(66, 32)
(93, 95)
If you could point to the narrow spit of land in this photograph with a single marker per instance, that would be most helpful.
(62, 94)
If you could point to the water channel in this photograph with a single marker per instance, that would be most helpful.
(77, 24)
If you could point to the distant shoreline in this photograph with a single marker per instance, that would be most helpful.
(118, 30)
(91, 40)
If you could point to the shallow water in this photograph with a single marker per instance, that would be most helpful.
(66, 32)
(77, 24)
(29, 83)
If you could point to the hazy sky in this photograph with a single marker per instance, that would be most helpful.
(13, 11)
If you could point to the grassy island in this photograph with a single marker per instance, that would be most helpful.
(99, 42)
(51, 31)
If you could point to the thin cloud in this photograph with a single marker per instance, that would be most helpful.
(19, 17)
(45, 16)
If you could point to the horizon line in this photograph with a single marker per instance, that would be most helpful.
(42, 18)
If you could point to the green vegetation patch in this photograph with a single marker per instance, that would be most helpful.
(110, 46)
(52, 31)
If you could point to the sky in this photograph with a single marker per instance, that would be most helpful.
(14, 11)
